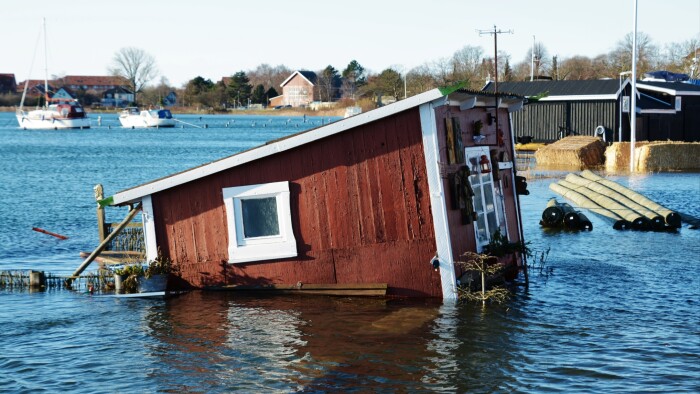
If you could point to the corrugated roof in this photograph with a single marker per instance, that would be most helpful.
(559, 88)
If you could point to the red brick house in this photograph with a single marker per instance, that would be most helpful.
(377, 198)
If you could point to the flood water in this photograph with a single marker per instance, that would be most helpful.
(606, 311)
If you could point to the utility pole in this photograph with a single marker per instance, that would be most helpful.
(495, 32)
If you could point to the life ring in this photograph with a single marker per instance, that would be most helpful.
(600, 130)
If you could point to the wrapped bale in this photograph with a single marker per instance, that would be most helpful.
(617, 155)
(576, 151)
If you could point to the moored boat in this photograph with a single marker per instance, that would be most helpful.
(133, 118)
(63, 113)
(66, 114)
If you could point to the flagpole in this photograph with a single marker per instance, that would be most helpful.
(633, 94)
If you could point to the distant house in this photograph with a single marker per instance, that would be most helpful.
(391, 197)
(96, 85)
(299, 89)
(170, 99)
(63, 94)
(665, 110)
(35, 87)
(117, 97)
(8, 83)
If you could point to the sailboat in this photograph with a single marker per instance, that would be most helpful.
(56, 113)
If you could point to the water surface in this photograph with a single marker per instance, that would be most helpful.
(606, 311)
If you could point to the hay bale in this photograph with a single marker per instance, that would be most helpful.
(578, 151)
(617, 155)
(654, 156)
(668, 156)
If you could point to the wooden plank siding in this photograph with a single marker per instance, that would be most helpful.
(463, 237)
(360, 214)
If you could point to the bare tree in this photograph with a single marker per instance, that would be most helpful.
(466, 64)
(419, 80)
(136, 65)
(620, 58)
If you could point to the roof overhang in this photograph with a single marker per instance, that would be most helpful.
(583, 97)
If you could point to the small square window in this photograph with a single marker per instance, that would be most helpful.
(260, 217)
(259, 222)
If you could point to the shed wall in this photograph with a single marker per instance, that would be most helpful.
(360, 213)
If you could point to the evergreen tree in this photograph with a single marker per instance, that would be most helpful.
(258, 96)
(239, 89)
(354, 77)
(329, 84)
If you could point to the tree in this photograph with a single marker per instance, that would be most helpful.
(354, 77)
(539, 61)
(258, 95)
(389, 83)
(419, 80)
(268, 76)
(198, 91)
(621, 57)
(135, 65)
(239, 89)
(328, 83)
(466, 64)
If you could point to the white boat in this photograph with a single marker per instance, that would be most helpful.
(65, 114)
(352, 111)
(131, 117)
(55, 114)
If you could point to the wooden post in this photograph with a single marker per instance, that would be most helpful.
(99, 195)
(104, 243)
(37, 279)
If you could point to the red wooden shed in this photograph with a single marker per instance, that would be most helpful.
(371, 199)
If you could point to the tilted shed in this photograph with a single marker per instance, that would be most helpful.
(377, 198)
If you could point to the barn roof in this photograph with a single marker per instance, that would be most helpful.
(455, 96)
(599, 89)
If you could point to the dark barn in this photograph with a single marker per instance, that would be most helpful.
(555, 109)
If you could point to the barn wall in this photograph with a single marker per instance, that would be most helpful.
(543, 120)
(360, 213)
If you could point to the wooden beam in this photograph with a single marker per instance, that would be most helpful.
(103, 244)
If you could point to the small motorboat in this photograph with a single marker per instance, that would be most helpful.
(132, 117)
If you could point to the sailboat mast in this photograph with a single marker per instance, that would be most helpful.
(46, 69)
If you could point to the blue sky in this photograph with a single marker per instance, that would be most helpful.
(217, 38)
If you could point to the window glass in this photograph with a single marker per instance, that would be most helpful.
(260, 217)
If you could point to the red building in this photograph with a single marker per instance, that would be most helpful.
(375, 198)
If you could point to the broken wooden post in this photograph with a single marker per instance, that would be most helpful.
(99, 195)
(103, 244)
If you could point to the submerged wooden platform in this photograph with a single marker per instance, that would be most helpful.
(358, 289)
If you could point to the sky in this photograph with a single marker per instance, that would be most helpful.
(216, 38)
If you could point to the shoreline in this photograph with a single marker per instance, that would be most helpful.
(266, 112)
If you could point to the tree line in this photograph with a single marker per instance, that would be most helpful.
(470, 65)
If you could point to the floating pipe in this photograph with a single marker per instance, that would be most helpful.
(672, 218)
(638, 221)
(584, 223)
(571, 219)
(582, 201)
(553, 215)
(656, 221)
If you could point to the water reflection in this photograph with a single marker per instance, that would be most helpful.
(224, 341)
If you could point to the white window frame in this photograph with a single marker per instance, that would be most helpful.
(244, 250)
